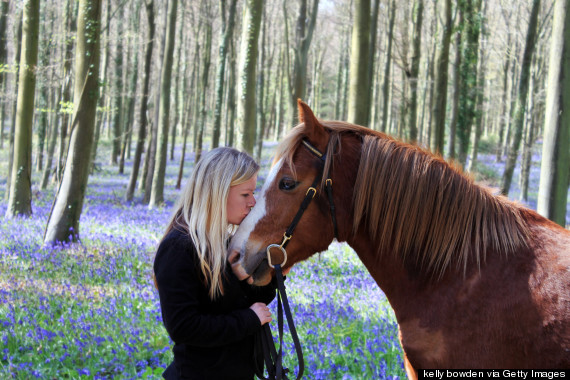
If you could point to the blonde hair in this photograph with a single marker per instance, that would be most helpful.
(201, 211)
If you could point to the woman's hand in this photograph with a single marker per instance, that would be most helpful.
(262, 312)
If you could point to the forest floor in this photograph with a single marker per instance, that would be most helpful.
(91, 310)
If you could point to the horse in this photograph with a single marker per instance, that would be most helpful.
(475, 280)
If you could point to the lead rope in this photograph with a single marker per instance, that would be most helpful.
(272, 359)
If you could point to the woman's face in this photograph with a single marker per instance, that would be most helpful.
(241, 200)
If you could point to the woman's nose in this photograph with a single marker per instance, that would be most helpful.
(252, 202)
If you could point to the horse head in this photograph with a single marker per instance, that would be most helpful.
(302, 162)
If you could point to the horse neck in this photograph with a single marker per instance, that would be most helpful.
(387, 270)
(424, 210)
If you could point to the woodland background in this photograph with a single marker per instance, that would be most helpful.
(148, 75)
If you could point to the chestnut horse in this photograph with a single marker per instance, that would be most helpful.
(475, 280)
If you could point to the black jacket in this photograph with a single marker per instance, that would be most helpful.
(212, 339)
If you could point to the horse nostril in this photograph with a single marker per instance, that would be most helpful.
(234, 257)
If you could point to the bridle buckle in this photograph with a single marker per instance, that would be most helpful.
(268, 249)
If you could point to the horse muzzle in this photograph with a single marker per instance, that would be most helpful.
(256, 270)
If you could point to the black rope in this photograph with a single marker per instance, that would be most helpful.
(269, 357)
(273, 360)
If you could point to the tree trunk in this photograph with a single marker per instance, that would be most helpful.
(339, 76)
(247, 78)
(554, 169)
(387, 68)
(2, 116)
(505, 98)
(281, 97)
(520, 106)
(226, 35)
(204, 90)
(468, 73)
(481, 78)
(70, 30)
(20, 198)
(455, 99)
(104, 86)
(157, 191)
(52, 140)
(528, 139)
(143, 121)
(260, 120)
(63, 222)
(345, 78)
(358, 95)
(11, 135)
(4, 7)
(43, 102)
(372, 59)
(118, 89)
(303, 37)
(440, 88)
(230, 119)
(188, 104)
(150, 156)
(179, 83)
(414, 71)
(129, 108)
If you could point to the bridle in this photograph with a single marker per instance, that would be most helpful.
(310, 194)
(264, 340)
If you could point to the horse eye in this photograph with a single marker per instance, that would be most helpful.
(287, 184)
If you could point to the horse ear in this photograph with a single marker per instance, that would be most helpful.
(314, 130)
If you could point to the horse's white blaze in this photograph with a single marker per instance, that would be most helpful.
(259, 210)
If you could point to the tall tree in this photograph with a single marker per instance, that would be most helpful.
(226, 34)
(63, 223)
(530, 128)
(521, 101)
(205, 75)
(20, 198)
(387, 68)
(142, 117)
(128, 110)
(18, 45)
(481, 79)
(157, 191)
(441, 77)
(118, 89)
(456, 87)
(468, 73)
(70, 23)
(413, 76)
(260, 118)
(4, 7)
(554, 169)
(246, 115)
(371, 60)
(303, 36)
(358, 95)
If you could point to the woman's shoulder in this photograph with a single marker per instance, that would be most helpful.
(176, 244)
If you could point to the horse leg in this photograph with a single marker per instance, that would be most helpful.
(410, 371)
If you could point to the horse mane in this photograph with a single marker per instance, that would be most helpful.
(420, 207)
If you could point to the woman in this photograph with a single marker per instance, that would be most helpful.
(209, 314)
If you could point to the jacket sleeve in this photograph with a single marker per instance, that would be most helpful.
(179, 287)
(264, 294)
